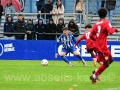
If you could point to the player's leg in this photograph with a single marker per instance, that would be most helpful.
(93, 52)
(93, 57)
(94, 76)
(107, 60)
(76, 53)
(63, 56)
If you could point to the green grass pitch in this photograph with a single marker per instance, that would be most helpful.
(31, 75)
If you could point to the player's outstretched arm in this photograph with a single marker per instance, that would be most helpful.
(111, 30)
(81, 38)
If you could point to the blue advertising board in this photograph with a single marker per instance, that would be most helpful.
(38, 50)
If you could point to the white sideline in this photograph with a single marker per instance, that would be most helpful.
(117, 88)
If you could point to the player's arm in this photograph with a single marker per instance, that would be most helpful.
(56, 47)
(81, 38)
(111, 30)
(74, 40)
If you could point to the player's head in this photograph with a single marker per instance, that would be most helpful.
(65, 31)
(102, 12)
(88, 26)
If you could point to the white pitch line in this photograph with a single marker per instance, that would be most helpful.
(117, 88)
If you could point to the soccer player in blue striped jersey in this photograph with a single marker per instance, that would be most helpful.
(68, 42)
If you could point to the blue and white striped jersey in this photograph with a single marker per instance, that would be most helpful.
(67, 42)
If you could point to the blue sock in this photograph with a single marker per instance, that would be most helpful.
(65, 59)
(79, 57)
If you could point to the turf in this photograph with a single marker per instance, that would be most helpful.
(31, 75)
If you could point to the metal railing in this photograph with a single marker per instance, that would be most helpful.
(14, 33)
(45, 14)
(35, 14)
(67, 16)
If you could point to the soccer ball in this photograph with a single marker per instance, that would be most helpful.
(44, 62)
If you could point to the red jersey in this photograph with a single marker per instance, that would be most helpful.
(89, 42)
(102, 28)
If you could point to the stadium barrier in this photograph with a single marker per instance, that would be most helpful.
(44, 49)
(67, 15)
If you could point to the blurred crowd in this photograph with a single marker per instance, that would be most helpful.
(50, 23)
(36, 31)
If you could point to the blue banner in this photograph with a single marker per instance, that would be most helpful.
(38, 50)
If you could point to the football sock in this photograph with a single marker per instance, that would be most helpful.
(79, 57)
(100, 70)
(83, 61)
(65, 59)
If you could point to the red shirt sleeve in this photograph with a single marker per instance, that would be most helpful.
(81, 38)
(110, 30)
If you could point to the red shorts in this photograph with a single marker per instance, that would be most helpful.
(92, 49)
(105, 56)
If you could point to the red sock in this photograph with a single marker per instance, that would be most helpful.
(100, 70)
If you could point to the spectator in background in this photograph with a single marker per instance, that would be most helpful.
(60, 26)
(1, 12)
(30, 30)
(19, 27)
(102, 3)
(52, 2)
(58, 11)
(8, 28)
(40, 28)
(9, 8)
(39, 4)
(79, 9)
(50, 28)
(73, 28)
(47, 8)
(110, 6)
(98, 4)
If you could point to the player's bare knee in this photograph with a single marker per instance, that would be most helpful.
(75, 53)
(62, 54)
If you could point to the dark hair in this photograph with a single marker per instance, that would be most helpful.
(20, 15)
(60, 4)
(72, 21)
(102, 12)
(88, 26)
(65, 28)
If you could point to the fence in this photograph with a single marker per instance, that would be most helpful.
(67, 17)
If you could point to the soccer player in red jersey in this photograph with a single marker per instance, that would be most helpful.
(102, 28)
(90, 45)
